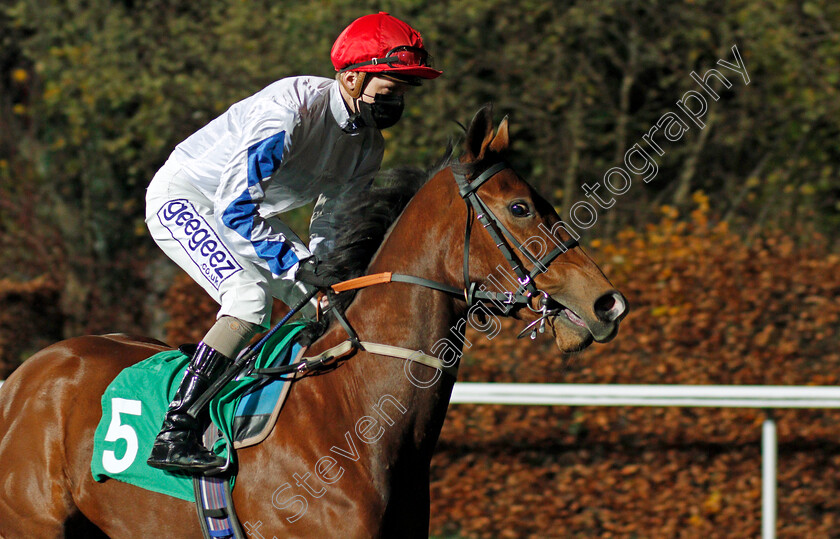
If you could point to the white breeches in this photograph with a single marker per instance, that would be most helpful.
(181, 222)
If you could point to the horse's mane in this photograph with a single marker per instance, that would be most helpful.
(362, 220)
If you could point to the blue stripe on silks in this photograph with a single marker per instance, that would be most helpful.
(264, 158)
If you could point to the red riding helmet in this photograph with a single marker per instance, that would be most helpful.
(382, 44)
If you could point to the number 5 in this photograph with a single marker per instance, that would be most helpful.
(117, 431)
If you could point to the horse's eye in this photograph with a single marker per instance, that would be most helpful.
(519, 209)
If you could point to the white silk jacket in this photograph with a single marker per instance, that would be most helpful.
(287, 145)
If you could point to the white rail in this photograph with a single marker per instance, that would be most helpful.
(764, 397)
(649, 395)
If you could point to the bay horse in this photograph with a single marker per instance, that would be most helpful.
(351, 453)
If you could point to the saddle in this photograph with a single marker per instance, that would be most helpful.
(134, 404)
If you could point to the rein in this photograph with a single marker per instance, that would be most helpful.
(472, 292)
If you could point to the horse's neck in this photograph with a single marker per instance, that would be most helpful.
(411, 316)
(426, 241)
(421, 243)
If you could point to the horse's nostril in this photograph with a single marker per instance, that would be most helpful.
(610, 307)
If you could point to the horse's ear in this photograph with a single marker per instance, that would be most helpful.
(479, 134)
(502, 140)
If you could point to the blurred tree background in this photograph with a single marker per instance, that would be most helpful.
(95, 95)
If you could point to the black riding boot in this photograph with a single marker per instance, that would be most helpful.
(178, 446)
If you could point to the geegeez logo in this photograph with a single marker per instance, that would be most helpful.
(199, 240)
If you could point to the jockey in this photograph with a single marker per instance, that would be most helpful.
(213, 206)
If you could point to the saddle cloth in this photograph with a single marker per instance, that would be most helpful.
(134, 404)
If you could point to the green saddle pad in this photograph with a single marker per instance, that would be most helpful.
(133, 407)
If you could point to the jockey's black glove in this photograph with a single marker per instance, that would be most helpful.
(312, 273)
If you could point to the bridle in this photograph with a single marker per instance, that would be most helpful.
(527, 288)
(505, 302)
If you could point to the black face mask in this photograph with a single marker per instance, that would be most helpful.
(384, 112)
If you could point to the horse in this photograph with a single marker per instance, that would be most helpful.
(350, 455)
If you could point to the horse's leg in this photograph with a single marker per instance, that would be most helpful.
(34, 497)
